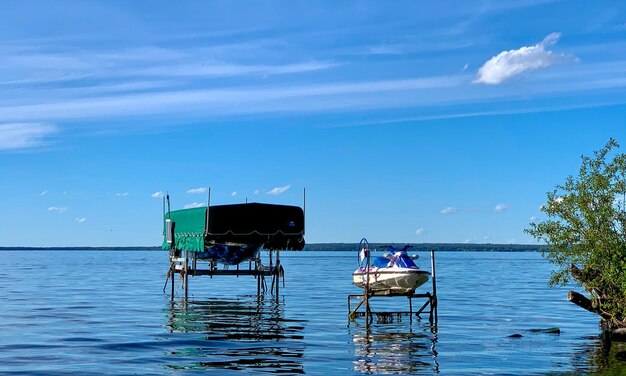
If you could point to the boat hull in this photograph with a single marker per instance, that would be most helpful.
(392, 280)
(230, 254)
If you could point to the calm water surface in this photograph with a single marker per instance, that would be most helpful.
(103, 312)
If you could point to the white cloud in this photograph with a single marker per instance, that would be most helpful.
(558, 200)
(194, 205)
(57, 209)
(197, 190)
(43, 193)
(234, 194)
(158, 194)
(121, 194)
(448, 210)
(256, 191)
(465, 67)
(279, 190)
(80, 220)
(508, 64)
(15, 136)
(486, 237)
(501, 208)
(532, 219)
(419, 231)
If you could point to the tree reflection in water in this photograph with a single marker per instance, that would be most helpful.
(248, 333)
(395, 348)
(600, 357)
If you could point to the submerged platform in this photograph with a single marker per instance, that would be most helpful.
(388, 316)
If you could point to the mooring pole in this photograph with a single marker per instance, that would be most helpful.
(186, 274)
(173, 273)
(277, 274)
(258, 277)
(366, 292)
(433, 299)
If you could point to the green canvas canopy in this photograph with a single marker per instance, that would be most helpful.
(188, 229)
(268, 225)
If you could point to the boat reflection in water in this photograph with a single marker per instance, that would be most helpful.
(249, 334)
(395, 348)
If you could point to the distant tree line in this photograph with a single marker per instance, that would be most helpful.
(425, 247)
(336, 247)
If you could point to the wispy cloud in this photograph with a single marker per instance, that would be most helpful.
(224, 70)
(24, 135)
(234, 194)
(34, 63)
(279, 190)
(508, 64)
(197, 190)
(58, 209)
(80, 220)
(194, 205)
(509, 111)
(385, 50)
(419, 231)
(158, 194)
(256, 191)
(532, 219)
(240, 100)
(43, 193)
(501, 208)
(121, 194)
(448, 210)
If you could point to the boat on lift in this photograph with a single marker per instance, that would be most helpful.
(393, 273)
(232, 234)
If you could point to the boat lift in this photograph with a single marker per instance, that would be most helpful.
(190, 265)
(363, 307)
(225, 240)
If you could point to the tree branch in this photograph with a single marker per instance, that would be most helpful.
(581, 301)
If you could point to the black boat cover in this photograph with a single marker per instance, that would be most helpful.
(268, 225)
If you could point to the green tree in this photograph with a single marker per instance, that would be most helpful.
(585, 234)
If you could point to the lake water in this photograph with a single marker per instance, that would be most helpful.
(104, 312)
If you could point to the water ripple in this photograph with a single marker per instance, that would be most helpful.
(99, 318)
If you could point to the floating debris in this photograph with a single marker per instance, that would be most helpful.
(547, 330)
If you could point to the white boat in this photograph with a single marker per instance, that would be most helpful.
(394, 273)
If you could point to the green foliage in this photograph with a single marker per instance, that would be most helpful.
(585, 227)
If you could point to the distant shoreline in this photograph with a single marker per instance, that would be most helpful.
(335, 247)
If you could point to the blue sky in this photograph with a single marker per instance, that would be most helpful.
(405, 121)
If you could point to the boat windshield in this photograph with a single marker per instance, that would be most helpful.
(404, 261)
(380, 262)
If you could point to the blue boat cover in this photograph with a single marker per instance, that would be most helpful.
(229, 254)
